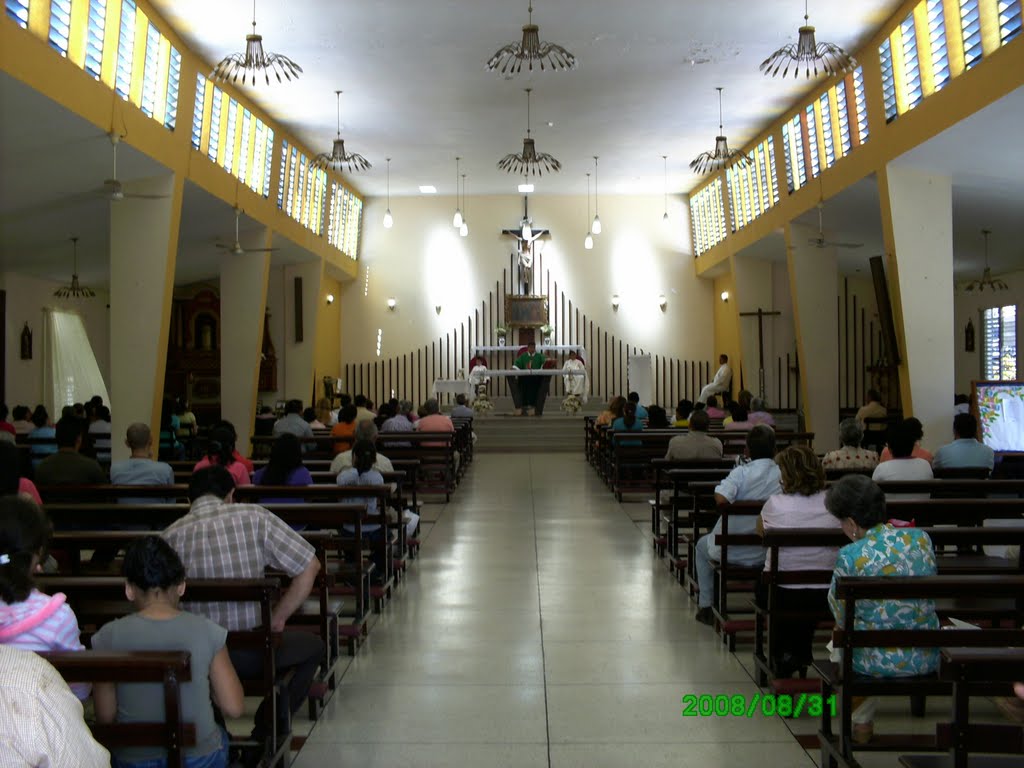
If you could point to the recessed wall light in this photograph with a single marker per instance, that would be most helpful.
(525, 188)
(428, 189)
(330, 298)
(725, 296)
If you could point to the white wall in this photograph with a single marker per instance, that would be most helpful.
(970, 306)
(26, 298)
(422, 262)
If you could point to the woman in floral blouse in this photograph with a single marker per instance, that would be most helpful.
(879, 549)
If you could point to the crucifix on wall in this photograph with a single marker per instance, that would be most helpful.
(760, 314)
(528, 246)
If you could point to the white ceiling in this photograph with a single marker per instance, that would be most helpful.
(416, 88)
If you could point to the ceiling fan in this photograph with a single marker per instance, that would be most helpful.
(820, 241)
(236, 247)
(112, 188)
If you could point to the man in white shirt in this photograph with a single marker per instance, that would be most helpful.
(721, 382)
(965, 450)
(756, 480)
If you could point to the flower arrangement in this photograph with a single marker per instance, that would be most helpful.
(482, 404)
(501, 331)
(546, 331)
(572, 404)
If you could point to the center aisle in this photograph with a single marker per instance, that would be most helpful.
(538, 629)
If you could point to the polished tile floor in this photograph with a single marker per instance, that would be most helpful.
(538, 629)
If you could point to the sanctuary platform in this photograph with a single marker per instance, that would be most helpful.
(554, 432)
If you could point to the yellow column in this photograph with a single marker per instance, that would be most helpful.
(917, 230)
(243, 301)
(143, 253)
(814, 281)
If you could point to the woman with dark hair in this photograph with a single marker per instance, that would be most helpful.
(800, 505)
(683, 410)
(154, 583)
(739, 418)
(880, 549)
(628, 422)
(364, 456)
(220, 450)
(11, 479)
(613, 412)
(284, 467)
(243, 460)
(656, 417)
(29, 619)
(345, 429)
(915, 429)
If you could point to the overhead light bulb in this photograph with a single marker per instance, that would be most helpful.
(596, 228)
(464, 229)
(389, 220)
(457, 218)
(525, 188)
(588, 242)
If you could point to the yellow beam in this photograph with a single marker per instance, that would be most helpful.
(39, 18)
(138, 57)
(163, 71)
(954, 37)
(924, 50)
(989, 17)
(76, 35)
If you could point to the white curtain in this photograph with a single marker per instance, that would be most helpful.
(70, 373)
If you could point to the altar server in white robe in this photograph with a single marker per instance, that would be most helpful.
(576, 384)
(721, 382)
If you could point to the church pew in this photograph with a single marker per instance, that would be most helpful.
(838, 679)
(974, 672)
(169, 669)
(97, 600)
(436, 453)
(972, 489)
(975, 609)
(671, 504)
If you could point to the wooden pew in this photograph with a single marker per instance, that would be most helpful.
(767, 616)
(168, 668)
(840, 680)
(435, 452)
(671, 478)
(97, 600)
(973, 672)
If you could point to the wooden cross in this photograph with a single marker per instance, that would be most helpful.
(761, 314)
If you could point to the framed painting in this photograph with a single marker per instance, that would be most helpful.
(526, 311)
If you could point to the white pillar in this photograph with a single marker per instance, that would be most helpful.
(243, 301)
(917, 223)
(814, 281)
(143, 253)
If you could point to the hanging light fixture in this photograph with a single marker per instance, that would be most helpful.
(664, 217)
(707, 162)
(596, 226)
(457, 218)
(338, 159)
(813, 57)
(254, 61)
(389, 220)
(986, 281)
(74, 290)
(464, 226)
(588, 241)
(530, 162)
(511, 58)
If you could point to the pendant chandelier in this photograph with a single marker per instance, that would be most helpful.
(389, 220)
(986, 280)
(510, 59)
(595, 227)
(588, 241)
(464, 226)
(457, 218)
(530, 162)
(813, 57)
(254, 61)
(708, 162)
(74, 290)
(338, 159)
(664, 217)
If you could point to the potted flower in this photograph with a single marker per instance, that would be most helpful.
(482, 404)
(501, 332)
(546, 331)
(572, 404)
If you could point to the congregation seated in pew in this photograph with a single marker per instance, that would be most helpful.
(712, 409)
(220, 452)
(292, 422)
(965, 450)
(696, 443)
(365, 431)
(140, 468)
(801, 504)
(284, 467)
(344, 430)
(754, 480)
(222, 539)
(903, 465)
(155, 583)
(629, 421)
(880, 549)
(612, 412)
(402, 420)
(11, 479)
(67, 466)
(915, 428)
(683, 410)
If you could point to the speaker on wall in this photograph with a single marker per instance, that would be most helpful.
(891, 353)
(298, 310)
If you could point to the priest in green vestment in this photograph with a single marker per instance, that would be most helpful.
(531, 359)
